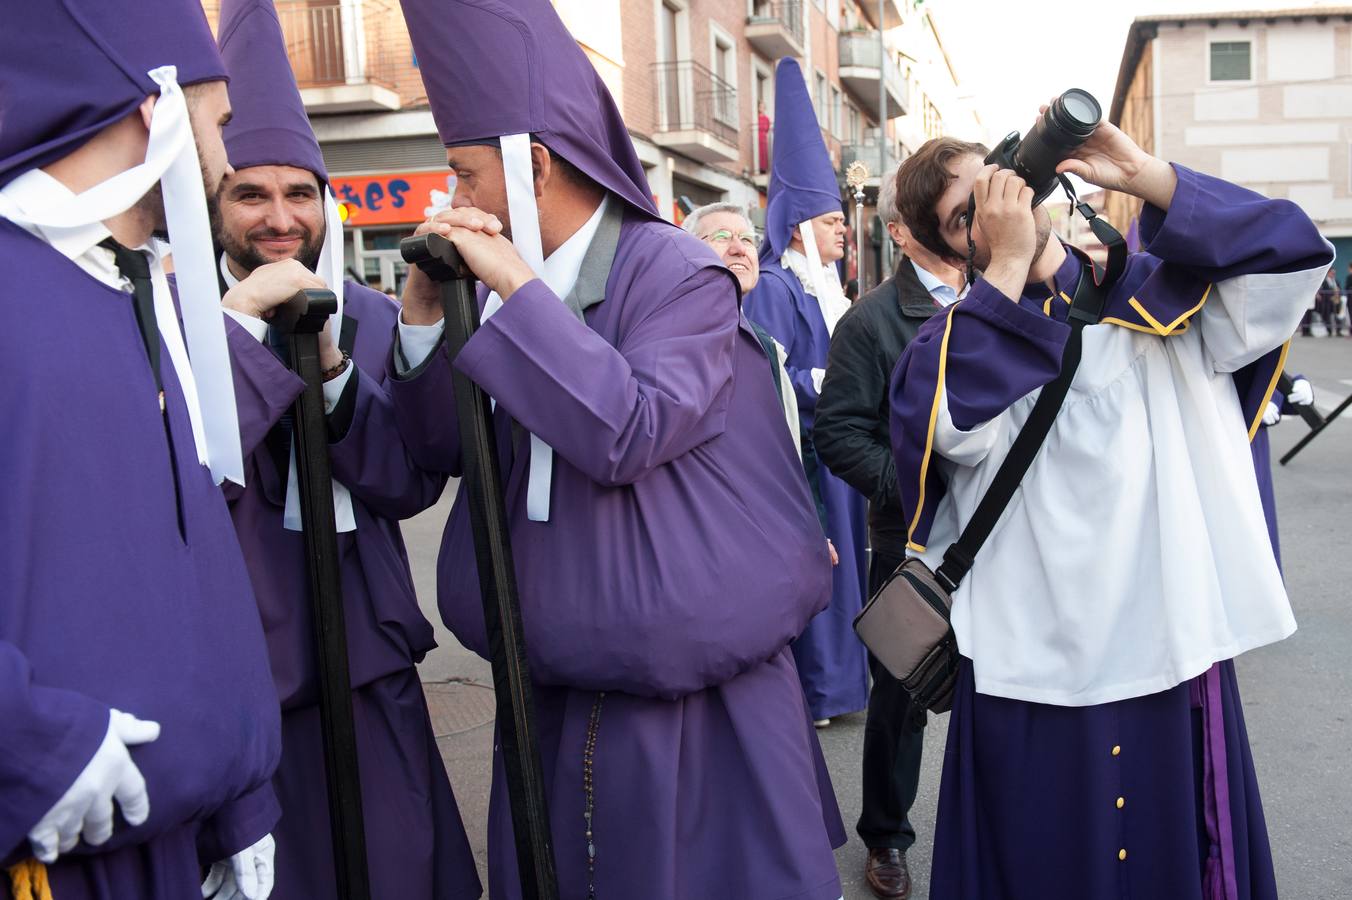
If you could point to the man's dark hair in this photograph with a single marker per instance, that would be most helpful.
(922, 180)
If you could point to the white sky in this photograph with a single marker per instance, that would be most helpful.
(1013, 56)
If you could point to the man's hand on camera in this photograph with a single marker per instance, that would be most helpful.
(492, 258)
(1111, 160)
(269, 286)
(1004, 212)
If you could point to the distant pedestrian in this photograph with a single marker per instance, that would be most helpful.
(1326, 304)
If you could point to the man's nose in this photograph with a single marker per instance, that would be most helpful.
(278, 217)
(461, 198)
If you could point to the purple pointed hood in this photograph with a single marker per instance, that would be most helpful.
(269, 127)
(493, 68)
(802, 179)
(70, 68)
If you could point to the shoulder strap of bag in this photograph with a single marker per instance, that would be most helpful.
(1085, 309)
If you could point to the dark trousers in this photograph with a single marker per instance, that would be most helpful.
(893, 739)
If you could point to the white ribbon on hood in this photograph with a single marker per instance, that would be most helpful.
(331, 270)
(202, 361)
(525, 221)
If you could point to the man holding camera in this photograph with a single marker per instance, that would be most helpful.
(1098, 624)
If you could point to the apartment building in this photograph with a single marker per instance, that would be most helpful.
(1263, 99)
(694, 80)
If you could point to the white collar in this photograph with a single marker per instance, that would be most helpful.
(932, 283)
(35, 190)
(561, 267)
(230, 279)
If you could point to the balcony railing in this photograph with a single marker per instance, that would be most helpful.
(345, 55)
(862, 62)
(776, 28)
(691, 98)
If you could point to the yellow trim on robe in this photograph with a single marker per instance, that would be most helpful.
(28, 881)
(1267, 398)
(933, 421)
(1047, 307)
(1160, 329)
(1132, 326)
(912, 545)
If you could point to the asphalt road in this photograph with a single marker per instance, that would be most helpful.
(1296, 693)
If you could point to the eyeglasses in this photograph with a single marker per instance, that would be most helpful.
(721, 237)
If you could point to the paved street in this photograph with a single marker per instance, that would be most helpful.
(1296, 693)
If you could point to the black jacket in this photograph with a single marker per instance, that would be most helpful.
(851, 431)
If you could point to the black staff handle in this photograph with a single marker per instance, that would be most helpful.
(1325, 422)
(303, 317)
(1307, 412)
(440, 261)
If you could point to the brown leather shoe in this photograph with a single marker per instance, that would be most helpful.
(887, 874)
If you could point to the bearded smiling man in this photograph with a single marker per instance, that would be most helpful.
(273, 232)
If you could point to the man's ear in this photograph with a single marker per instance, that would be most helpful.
(542, 168)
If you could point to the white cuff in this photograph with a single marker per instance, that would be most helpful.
(256, 327)
(333, 389)
(818, 376)
(416, 343)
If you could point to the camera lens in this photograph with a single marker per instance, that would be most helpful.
(1066, 124)
(1077, 112)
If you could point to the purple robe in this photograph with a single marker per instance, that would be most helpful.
(1190, 819)
(417, 846)
(682, 555)
(123, 587)
(832, 661)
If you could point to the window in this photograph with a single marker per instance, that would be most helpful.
(835, 111)
(1231, 61)
(821, 100)
(725, 80)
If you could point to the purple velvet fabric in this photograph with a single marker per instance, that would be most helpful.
(269, 126)
(999, 351)
(1028, 804)
(802, 178)
(110, 604)
(832, 661)
(411, 814)
(70, 68)
(669, 452)
(493, 68)
(415, 843)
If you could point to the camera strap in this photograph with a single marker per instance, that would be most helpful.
(1085, 309)
(1109, 236)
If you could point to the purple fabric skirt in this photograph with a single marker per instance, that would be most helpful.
(161, 869)
(415, 841)
(1148, 798)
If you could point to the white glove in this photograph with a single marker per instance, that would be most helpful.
(245, 876)
(1302, 394)
(86, 808)
(1272, 415)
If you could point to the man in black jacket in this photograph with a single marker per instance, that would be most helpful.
(852, 439)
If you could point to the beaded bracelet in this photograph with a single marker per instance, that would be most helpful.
(340, 368)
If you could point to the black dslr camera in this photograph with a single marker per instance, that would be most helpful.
(1066, 124)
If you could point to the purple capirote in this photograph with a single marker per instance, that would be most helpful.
(802, 178)
(70, 68)
(269, 126)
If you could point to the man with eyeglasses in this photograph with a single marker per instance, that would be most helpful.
(725, 228)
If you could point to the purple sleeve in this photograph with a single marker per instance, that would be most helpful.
(615, 413)
(239, 825)
(983, 354)
(772, 306)
(422, 403)
(264, 390)
(370, 459)
(1218, 230)
(50, 734)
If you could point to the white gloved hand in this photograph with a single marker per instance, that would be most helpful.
(86, 808)
(1272, 415)
(1302, 393)
(247, 875)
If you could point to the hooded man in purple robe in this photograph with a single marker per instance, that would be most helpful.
(280, 233)
(1099, 623)
(667, 549)
(799, 301)
(140, 721)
